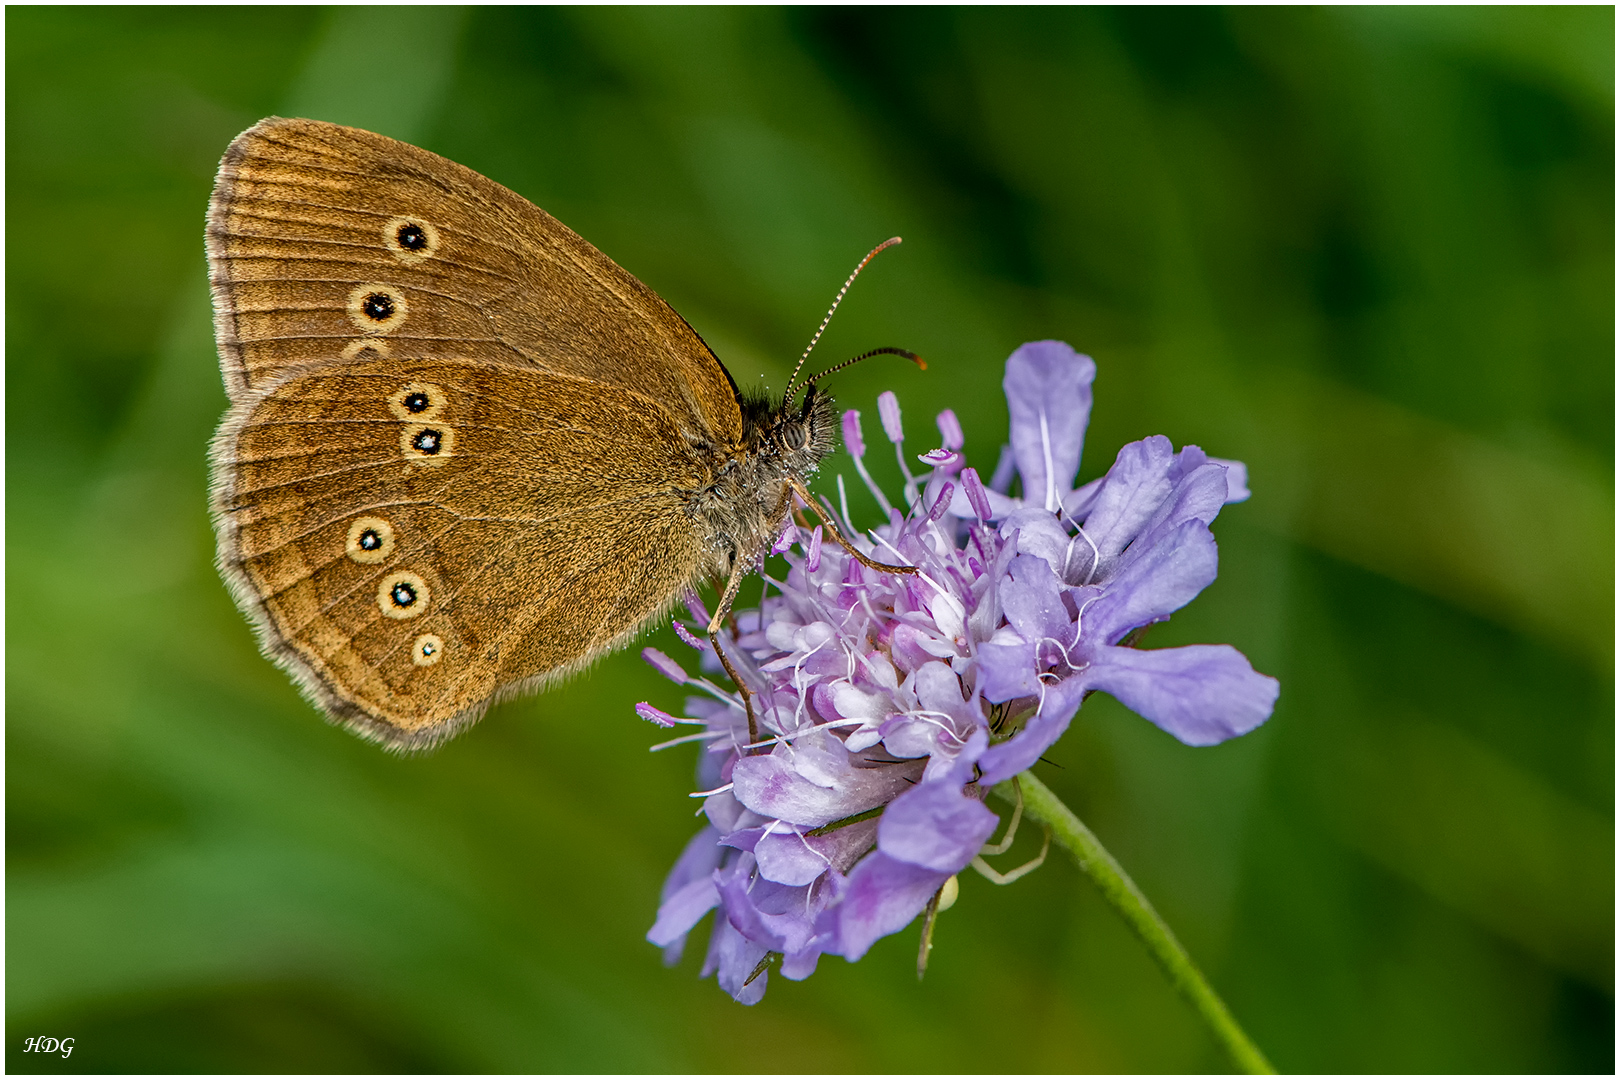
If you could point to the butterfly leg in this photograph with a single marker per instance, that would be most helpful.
(721, 610)
(832, 530)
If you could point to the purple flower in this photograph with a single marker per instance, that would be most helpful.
(890, 703)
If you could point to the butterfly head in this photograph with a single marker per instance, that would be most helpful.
(789, 438)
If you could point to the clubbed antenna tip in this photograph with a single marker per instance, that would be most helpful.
(885, 351)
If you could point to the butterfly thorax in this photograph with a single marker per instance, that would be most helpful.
(744, 506)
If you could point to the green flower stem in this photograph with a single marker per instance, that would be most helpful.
(1120, 891)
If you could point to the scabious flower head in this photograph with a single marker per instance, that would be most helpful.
(890, 703)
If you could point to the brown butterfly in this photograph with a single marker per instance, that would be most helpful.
(467, 453)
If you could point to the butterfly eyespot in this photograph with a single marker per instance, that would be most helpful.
(418, 401)
(427, 650)
(410, 239)
(371, 540)
(376, 308)
(427, 444)
(403, 595)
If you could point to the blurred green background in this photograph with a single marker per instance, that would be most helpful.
(1368, 251)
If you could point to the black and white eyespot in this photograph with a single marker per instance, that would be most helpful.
(427, 650)
(376, 308)
(411, 239)
(417, 401)
(427, 444)
(371, 540)
(403, 595)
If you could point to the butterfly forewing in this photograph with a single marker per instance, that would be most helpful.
(323, 239)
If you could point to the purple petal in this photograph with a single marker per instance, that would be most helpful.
(1006, 465)
(1039, 534)
(784, 933)
(845, 845)
(986, 615)
(689, 891)
(1197, 496)
(666, 667)
(726, 814)
(1048, 388)
(698, 859)
(789, 859)
(1201, 694)
(950, 430)
(812, 559)
(1162, 579)
(733, 958)
(907, 736)
(882, 896)
(1018, 753)
(935, 826)
(939, 689)
(798, 966)
(680, 912)
(852, 434)
(1033, 602)
(1079, 502)
(1237, 479)
(1131, 493)
(889, 413)
(1008, 671)
(767, 785)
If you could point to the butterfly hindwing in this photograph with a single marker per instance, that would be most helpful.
(416, 537)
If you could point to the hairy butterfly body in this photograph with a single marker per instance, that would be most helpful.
(466, 452)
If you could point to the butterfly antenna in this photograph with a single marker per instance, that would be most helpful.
(887, 350)
(889, 243)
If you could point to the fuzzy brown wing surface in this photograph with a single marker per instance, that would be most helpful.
(524, 521)
(309, 219)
